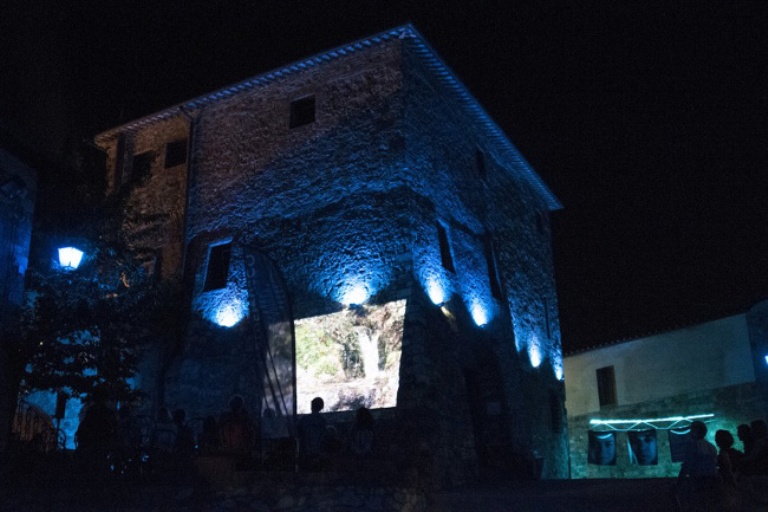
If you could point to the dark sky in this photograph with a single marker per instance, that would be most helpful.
(647, 119)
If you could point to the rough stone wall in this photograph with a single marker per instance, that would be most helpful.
(442, 147)
(353, 199)
(15, 227)
(731, 406)
(154, 206)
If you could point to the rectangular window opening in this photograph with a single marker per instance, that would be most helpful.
(218, 267)
(493, 271)
(445, 248)
(606, 386)
(176, 153)
(302, 111)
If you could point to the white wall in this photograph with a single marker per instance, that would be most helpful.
(705, 356)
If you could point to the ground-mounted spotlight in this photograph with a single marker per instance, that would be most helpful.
(70, 257)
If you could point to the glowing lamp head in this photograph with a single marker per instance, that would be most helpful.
(766, 359)
(70, 258)
(559, 373)
(355, 295)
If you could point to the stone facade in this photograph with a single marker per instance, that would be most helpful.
(18, 187)
(396, 187)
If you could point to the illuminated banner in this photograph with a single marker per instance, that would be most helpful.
(272, 318)
(602, 448)
(643, 447)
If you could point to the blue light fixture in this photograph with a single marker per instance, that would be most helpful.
(70, 257)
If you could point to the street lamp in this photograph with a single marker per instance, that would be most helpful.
(70, 257)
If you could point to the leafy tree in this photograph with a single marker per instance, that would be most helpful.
(85, 328)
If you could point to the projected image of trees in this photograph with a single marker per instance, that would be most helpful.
(350, 358)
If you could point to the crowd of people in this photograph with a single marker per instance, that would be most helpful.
(120, 441)
(711, 475)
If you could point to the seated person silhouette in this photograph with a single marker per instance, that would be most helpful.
(312, 436)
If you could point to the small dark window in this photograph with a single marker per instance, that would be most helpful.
(480, 163)
(218, 267)
(606, 386)
(175, 153)
(493, 271)
(302, 111)
(445, 248)
(141, 166)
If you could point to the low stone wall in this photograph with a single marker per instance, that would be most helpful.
(730, 406)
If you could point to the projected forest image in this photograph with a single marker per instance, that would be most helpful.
(350, 358)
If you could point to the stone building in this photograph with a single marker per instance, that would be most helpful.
(18, 187)
(401, 231)
(651, 388)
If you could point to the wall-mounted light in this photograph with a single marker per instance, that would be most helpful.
(766, 359)
(70, 257)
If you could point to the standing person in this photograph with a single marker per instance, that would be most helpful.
(728, 458)
(744, 433)
(699, 485)
(312, 436)
(97, 434)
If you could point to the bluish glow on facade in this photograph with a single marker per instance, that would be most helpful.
(230, 313)
(224, 307)
(70, 257)
(354, 294)
(534, 351)
(479, 313)
(436, 291)
(766, 359)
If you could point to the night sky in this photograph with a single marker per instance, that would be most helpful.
(647, 121)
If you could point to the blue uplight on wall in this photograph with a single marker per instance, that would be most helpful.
(70, 257)
(479, 313)
(230, 313)
(534, 351)
(354, 294)
(436, 291)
